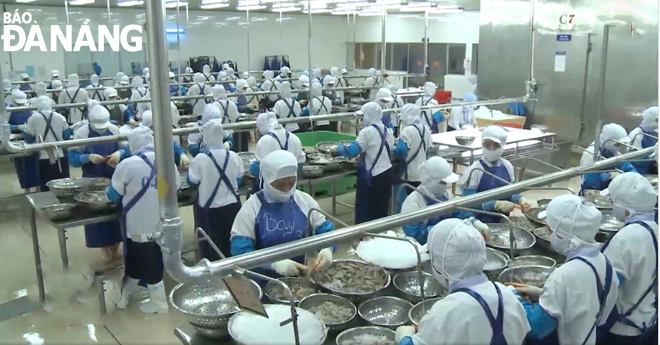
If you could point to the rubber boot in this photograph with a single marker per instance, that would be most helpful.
(157, 303)
(123, 295)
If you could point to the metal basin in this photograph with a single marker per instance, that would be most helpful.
(311, 301)
(291, 282)
(355, 297)
(385, 311)
(407, 286)
(653, 179)
(208, 306)
(58, 212)
(311, 171)
(530, 275)
(601, 202)
(543, 203)
(96, 201)
(609, 223)
(346, 336)
(465, 140)
(496, 262)
(420, 309)
(499, 237)
(539, 128)
(67, 188)
(533, 215)
(542, 235)
(533, 260)
(329, 147)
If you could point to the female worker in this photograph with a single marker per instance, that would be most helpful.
(95, 84)
(217, 173)
(245, 104)
(228, 110)
(580, 294)
(493, 139)
(287, 107)
(612, 141)
(47, 126)
(99, 160)
(197, 89)
(371, 81)
(431, 118)
(26, 167)
(334, 72)
(74, 94)
(188, 75)
(437, 176)
(462, 116)
(633, 251)
(196, 141)
(254, 99)
(397, 103)
(317, 76)
(138, 91)
(207, 73)
(180, 157)
(476, 311)
(646, 135)
(302, 89)
(318, 105)
(119, 113)
(40, 90)
(329, 83)
(269, 85)
(374, 174)
(279, 214)
(384, 99)
(134, 186)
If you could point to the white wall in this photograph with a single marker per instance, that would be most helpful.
(449, 28)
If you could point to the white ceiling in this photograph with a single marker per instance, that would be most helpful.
(467, 5)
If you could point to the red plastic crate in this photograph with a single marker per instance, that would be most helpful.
(442, 96)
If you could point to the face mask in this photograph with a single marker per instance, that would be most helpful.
(561, 245)
(492, 155)
(437, 189)
(654, 126)
(277, 195)
(619, 212)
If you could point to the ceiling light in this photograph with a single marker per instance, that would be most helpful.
(285, 8)
(232, 18)
(370, 13)
(267, 1)
(283, 19)
(354, 4)
(430, 9)
(175, 30)
(319, 10)
(81, 2)
(174, 4)
(449, 10)
(130, 3)
(343, 11)
(250, 7)
(25, 1)
(214, 5)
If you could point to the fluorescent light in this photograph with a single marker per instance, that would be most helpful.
(81, 2)
(430, 9)
(175, 30)
(130, 3)
(25, 1)
(354, 4)
(319, 10)
(173, 4)
(267, 1)
(232, 18)
(448, 10)
(250, 7)
(214, 5)
(370, 13)
(283, 19)
(342, 12)
(288, 8)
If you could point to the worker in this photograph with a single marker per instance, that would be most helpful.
(252, 83)
(175, 89)
(138, 91)
(188, 78)
(274, 137)
(269, 85)
(436, 176)
(46, 126)
(334, 72)
(246, 104)
(415, 140)
(231, 74)
(222, 76)
(94, 84)
(633, 252)
(26, 167)
(54, 75)
(25, 86)
(476, 311)
(118, 77)
(463, 115)
(287, 107)
(646, 135)
(97, 68)
(613, 139)
(56, 85)
(285, 72)
(384, 99)
(217, 174)
(329, 83)
(196, 143)
(371, 81)
(74, 94)
(197, 89)
(343, 78)
(40, 90)
(318, 105)
(302, 89)
(119, 113)
(99, 160)
(180, 157)
(397, 104)
(134, 187)
(493, 139)
(7, 88)
(317, 76)
(384, 79)
(207, 73)
(431, 118)
(374, 170)
(228, 110)
(279, 214)
(580, 294)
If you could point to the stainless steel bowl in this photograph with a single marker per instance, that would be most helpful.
(311, 171)
(601, 202)
(539, 128)
(67, 188)
(407, 286)
(531, 275)
(542, 240)
(533, 215)
(499, 237)
(317, 299)
(96, 201)
(385, 311)
(247, 158)
(465, 140)
(533, 260)
(354, 297)
(350, 334)
(609, 223)
(56, 212)
(317, 156)
(208, 306)
(420, 309)
(328, 165)
(653, 179)
(543, 203)
(309, 150)
(329, 147)
(289, 281)
(496, 262)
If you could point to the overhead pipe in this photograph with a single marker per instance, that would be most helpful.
(300, 247)
(48, 81)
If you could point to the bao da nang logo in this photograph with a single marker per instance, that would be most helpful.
(14, 37)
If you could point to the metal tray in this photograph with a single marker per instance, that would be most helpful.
(533, 215)
(523, 239)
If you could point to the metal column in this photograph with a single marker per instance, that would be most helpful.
(178, 40)
(354, 37)
(247, 16)
(309, 37)
(601, 99)
(426, 45)
(348, 37)
(382, 42)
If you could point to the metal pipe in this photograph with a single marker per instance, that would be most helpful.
(292, 249)
(644, 134)
(309, 37)
(552, 188)
(485, 172)
(354, 37)
(601, 99)
(524, 166)
(531, 39)
(247, 15)
(348, 36)
(383, 42)
(426, 43)
(618, 142)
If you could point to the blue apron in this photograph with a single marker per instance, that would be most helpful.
(644, 168)
(489, 182)
(256, 185)
(107, 233)
(433, 125)
(601, 185)
(96, 93)
(437, 219)
(496, 323)
(83, 110)
(201, 93)
(47, 171)
(279, 223)
(27, 167)
(146, 184)
(364, 179)
(615, 315)
(416, 153)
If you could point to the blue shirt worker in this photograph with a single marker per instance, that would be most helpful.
(26, 167)
(645, 135)
(430, 118)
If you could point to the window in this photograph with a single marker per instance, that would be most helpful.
(475, 57)
(455, 58)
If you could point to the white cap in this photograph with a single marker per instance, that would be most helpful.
(650, 118)
(570, 216)
(268, 74)
(436, 169)
(457, 250)
(611, 132)
(277, 165)
(110, 92)
(494, 133)
(198, 78)
(171, 74)
(265, 121)
(316, 90)
(140, 138)
(56, 84)
(632, 191)
(214, 134)
(147, 118)
(73, 80)
(99, 117)
(219, 92)
(24, 75)
(410, 113)
(241, 84)
(44, 103)
(328, 79)
(55, 73)
(285, 89)
(210, 112)
(303, 80)
(429, 88)
(18, 96)
(372, 113)
(384, 94)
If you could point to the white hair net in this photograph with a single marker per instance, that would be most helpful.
(633, 192)
(303, 81)
(94, 79)
(268, 74)
(225, 66)
(285, 70)
(384, 94)
(40, 89)
(574, 223)
(230, 71)
(436, 170)
(110, 92)
(214, 134)
(147, 118)
(344, 71)
(429, 88)
(457, 250)
(410, 113)
(496, 134)
(139, 138)
(145, 71)
(371, 72)
(372, 113)
(198, 78)
(650, 119)
(278, 164)
(118, 76)
(6, 83)
(73, 80)
(246, 75)
(124, 80)
(252, 81)
(328, 79)
(54, 73)
(210, 112)
(137, 82)
(188, 70)
(93, 103)
(99, 117)
(206, 69)
(19, 97)
(241, 84)
(285, 90)
(613, 132)
(265, 121)
(316, 90)
(219, 92)
(316, 73)
(222, 75)
(171, 75)
(334, 71)
(44, 103)
(56, 84)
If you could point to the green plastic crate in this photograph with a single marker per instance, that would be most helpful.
(322, 190)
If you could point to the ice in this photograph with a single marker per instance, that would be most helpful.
(390, 254)
(269, 330)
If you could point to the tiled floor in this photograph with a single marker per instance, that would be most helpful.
(71, 315)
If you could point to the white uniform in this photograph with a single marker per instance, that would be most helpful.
(427, 115)
(460, 319)
(199, 88)
(415, 202)
(410, 135)
(283, 111)
(372, 80)
(369, 140)
(74, 95)
(477, 175)
(268, 144)
(460, 116)
(320, 105)
(228, 111)
(203, 171)
(36, 125)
